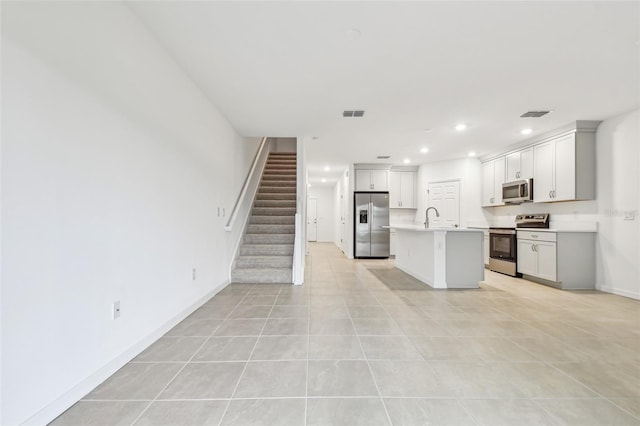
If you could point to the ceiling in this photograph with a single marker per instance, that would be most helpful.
(291, 68)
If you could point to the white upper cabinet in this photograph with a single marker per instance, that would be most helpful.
(543, 172)
(519, 165)
(493, 176)
(564, 169)
(372, 180)
(402, 190)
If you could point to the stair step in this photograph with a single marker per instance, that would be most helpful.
(283, 172)
(260, 276)
(266, 250)
(270, 229)
(279, 183)
(269, 238)
(281, 166)
(283, 178)
(282, 154)
(254, 262)
(264, 189)
(275, 220)
(273, 211)
(276, 196)
(275, 203)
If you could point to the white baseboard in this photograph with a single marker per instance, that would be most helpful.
(66, 400)
(625, 293)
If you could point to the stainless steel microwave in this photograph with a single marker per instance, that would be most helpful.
(518, 191)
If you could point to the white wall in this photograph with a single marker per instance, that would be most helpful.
(468, 172)
(617, 192)
(326, 211)
(618, 189)
(113, 167)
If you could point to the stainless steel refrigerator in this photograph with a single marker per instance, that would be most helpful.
(371, 214)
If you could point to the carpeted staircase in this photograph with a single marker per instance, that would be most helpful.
(266, 252)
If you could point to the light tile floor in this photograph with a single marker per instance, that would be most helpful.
(362, 343)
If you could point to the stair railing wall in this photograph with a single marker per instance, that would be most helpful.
(299, 248)
(242, 209)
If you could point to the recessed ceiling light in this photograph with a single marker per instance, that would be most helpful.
(323, 180)
(406, 160)
(424, 150)
(327, 168)
(308, 185)
(526, 131)
(472, 154)
(461, 127)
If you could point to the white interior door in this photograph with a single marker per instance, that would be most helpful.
(312, 219)
(444, 196)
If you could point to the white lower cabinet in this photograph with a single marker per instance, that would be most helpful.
(392, 243)
(537, 258)
(486, 248)
(561, 259)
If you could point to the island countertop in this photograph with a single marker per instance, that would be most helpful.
(421, 228)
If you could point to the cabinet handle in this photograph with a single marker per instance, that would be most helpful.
(550, 196)
(532, 247)
(554, 193)
(534, 236)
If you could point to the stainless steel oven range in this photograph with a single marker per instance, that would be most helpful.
(503, 244)
(502, 251)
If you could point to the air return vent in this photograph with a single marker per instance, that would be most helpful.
(357, 113)
(383, 157)
(534, 114)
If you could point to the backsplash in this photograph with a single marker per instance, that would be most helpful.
(568, 215)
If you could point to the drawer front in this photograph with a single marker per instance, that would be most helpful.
(537, 235)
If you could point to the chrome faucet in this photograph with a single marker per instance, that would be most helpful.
(426, 216)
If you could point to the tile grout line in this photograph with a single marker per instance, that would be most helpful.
(366, 359)
(306, 391)
(246, 364)
(191, 358)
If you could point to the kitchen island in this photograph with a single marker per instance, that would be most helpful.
(441, 257)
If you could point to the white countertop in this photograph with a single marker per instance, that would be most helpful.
(555, 230)
(421, 228)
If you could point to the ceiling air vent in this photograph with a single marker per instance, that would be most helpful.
(357, 113)
(383, 157)
(534, 114)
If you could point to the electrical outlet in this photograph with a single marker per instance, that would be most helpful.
(115, 310)
(630, 215)
(193, 274)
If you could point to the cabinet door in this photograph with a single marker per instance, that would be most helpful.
(408, 189)
(546, 260)
(486, 249)
(513, 166)
(363, 180)
(526, 163)
(379, 180)
(395, 190)
(498, 180)
(543, 165)
(392, 243)
(527, 258)
(565, 168)
(487, 183)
